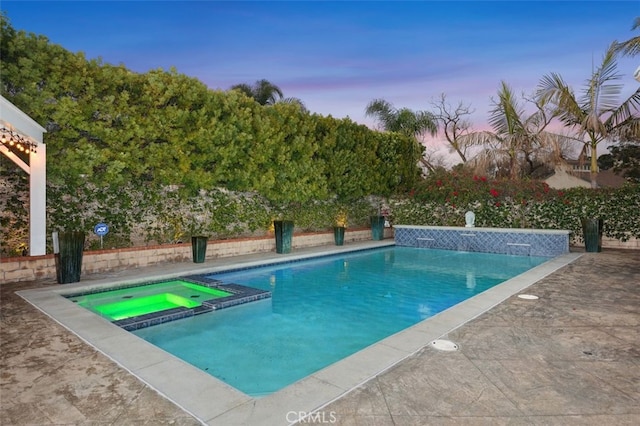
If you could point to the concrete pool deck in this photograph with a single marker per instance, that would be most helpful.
(570, 357)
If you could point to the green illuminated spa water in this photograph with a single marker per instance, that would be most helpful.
(144, 305)
(145, 299)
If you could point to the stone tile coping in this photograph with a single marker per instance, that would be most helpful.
(214, 402)
(474, 228)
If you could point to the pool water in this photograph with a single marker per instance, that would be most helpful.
(326, 309)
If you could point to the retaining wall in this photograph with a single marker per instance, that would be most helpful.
(31, 268)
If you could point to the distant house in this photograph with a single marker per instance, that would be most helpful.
(577, 173)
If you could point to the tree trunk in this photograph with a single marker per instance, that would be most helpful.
(594, 166)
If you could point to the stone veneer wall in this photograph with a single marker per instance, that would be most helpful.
(43, 267)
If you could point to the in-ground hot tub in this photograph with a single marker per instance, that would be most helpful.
(514, 241)
(142, 305)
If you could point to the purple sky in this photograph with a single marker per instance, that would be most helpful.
(338, 56)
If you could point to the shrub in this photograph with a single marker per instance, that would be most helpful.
(443, 199)
(140, 214)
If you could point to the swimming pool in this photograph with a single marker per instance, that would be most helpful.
(323, 310)
(214, 402)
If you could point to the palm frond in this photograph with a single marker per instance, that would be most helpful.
(552, 88)
(262, 91)
(628, 110)
(266, 93)
(244, 88)
(295, 101)
(382, 110)
(404, 120)
(602, 91)
(630, 47)
(506, 115)
(479, 138)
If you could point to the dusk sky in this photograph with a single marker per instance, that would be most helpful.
(338, 56)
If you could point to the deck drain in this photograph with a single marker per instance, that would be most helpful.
(444, 345)
(528, 296)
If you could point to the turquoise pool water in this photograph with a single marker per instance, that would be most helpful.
(325, 309)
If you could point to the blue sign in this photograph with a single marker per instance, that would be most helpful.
(101, 229)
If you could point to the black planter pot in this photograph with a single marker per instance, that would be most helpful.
(377, 228)
(69, 258)
(199, 248)
(592, 233)
(338, 235)
(284, 235)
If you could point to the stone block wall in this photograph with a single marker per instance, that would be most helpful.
(32, 268)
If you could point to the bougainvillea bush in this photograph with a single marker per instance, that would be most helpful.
(443, 199)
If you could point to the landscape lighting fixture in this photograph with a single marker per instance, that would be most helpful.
(16, 142)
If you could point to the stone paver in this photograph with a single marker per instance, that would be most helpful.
(571, 357)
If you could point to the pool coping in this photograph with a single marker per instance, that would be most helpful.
(212, 401)
(479, 228)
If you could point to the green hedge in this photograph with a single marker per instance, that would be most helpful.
(140, 216)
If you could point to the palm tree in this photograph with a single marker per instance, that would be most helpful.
(597, 115)
(517, 138)
(266, 93)
(405, 121)
(262, 91)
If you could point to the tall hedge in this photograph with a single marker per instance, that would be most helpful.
(110, 129)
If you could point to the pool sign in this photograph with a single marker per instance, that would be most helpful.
(101, 229)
